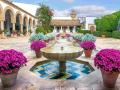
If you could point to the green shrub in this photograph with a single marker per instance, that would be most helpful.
(40, 30)
(100, 33)
(89, 37)
(97, 33)
(116, 34)
(84, 31)
(107, 34)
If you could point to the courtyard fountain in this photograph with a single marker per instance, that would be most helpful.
(62, 56)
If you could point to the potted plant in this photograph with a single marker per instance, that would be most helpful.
(88, 46)
(78, 38)
(36, 46)
(10, 63)
(34, 36)
(89, 37)
(108, 61)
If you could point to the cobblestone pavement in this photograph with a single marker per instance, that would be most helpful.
(29, 81)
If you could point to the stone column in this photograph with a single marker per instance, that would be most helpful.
(27, 29)
(2, 29)
(68, 29)
(13, 26)
(61, 30)
(55, 29)
(14, 33)
(2, 25)
(74, 29)
(21, 29)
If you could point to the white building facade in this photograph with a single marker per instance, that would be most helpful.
(14, 19)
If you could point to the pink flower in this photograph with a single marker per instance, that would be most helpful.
(11, 60)
(108, 60)
(88, 45)
(37, 45)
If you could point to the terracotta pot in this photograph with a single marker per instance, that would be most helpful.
(9, 80)
(38, 54)
(88, 53)
(109, 78)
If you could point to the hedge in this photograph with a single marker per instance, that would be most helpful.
(84, 31)
(116, 34)
(97, 33)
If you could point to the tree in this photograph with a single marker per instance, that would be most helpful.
(44, 15)
(107, 23)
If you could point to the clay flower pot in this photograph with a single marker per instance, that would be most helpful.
(9, 80)
(38, 54)
(88, 53)
(109, 78)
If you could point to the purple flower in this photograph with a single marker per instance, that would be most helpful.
(37, 45)
(88, 45)
(11, 60)
(108, 60)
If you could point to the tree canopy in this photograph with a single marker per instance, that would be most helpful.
(44, 15)
(108, 23)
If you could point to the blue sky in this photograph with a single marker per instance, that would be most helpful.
(84, 7)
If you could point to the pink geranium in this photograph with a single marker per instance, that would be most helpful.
(37, 45)
(108, 60)
(88, 45)
(11, 61)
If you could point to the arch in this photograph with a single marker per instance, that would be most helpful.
(11, 13)
(18, 13)
(34, 23)
(92, 28)
(25, 24)
(30, 24)
(18, 20)
(8, 24)
(30, 21)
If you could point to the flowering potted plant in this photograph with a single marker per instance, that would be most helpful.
(10, 63)
(36, 46)
(108, 61)
(88, 46)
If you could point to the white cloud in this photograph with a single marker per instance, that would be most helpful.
(86, 10)
(61, 13)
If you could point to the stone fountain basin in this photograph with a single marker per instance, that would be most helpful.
(67, 53)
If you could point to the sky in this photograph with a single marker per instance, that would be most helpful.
(83, 7)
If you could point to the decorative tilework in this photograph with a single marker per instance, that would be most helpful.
(50, 70)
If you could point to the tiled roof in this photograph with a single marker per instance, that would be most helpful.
(65, 22)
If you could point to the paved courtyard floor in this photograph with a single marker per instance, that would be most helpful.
(29, 81)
